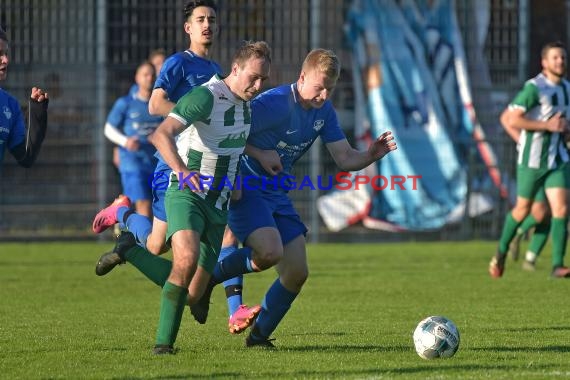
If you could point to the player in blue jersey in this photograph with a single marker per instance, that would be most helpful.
(128, 126)
(285, 122)
(180, 73)
(156, 58)
(23, 145)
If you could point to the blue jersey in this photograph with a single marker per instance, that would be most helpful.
(183, 71)
(280, 123)
(130, 115)
(180, 73)
(12, 129)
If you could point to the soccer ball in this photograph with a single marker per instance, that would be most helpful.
(436, 337)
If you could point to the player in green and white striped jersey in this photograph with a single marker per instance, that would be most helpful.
(539, 111)
(217, 127)
(201, 141)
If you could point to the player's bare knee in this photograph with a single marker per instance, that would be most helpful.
(520, 211)
(561, 211)
(155, 244)
(540, 215)
(156, 248)
(267, 257)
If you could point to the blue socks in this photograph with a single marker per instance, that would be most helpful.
(139, 225)
(236, 264)
(233, 286)
(276, 303)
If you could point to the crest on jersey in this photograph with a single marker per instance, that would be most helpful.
(7, 112)
(318, 124)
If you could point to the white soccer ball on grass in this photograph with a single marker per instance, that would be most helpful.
(436, 337)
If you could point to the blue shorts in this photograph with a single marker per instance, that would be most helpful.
(135, 185)
(159, 184)
(257, 209)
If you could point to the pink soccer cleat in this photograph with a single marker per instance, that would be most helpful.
(497, 265)
(561, 272)
(243, 318)
(108, 216)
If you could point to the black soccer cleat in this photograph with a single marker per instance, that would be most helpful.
(201, 308)
(163, 349)
(263, 343)
(110, 260)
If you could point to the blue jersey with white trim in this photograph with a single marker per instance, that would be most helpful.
(183, 71)
(130, 115)
(12, 129)
(280, 123)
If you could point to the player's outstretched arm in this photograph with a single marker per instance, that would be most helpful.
(27, 152)
(348, 158)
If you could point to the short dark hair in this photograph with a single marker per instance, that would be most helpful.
(3, 35)
(551, 45)
(191, 5)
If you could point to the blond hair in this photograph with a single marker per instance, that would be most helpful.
(324, 61)
(249, 49)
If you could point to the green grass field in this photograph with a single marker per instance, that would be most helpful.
(354, 319)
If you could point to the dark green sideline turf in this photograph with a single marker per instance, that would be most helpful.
(354, 318)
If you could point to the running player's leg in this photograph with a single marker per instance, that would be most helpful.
(234, 286)
(528, 182)
(240, 315)
(293, 272)
(555, 185)
(188, 217)
(539, 214)
(262, 248)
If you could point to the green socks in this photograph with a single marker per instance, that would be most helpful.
(526, 224)
(509, 230)
(155, 268)
(539, 238)
(172, 305)
(559, 234)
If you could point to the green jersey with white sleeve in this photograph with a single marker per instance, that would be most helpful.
(541, 99)
(217, 126)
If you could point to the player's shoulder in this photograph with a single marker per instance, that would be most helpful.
(540, 82)
(280, 95)
(176, 57)
(125, 101)
(185, 58)
(536, 81)
(6, 99)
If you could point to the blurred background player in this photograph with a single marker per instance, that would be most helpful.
(539, 112)
(156, 58)
(23, 145)
(180, 73)
(539, 217)
(128, 126)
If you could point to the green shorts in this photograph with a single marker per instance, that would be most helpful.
(531, 183)
(187, 211)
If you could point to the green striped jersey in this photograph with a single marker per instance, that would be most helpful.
(540, 99)
(218, 124)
